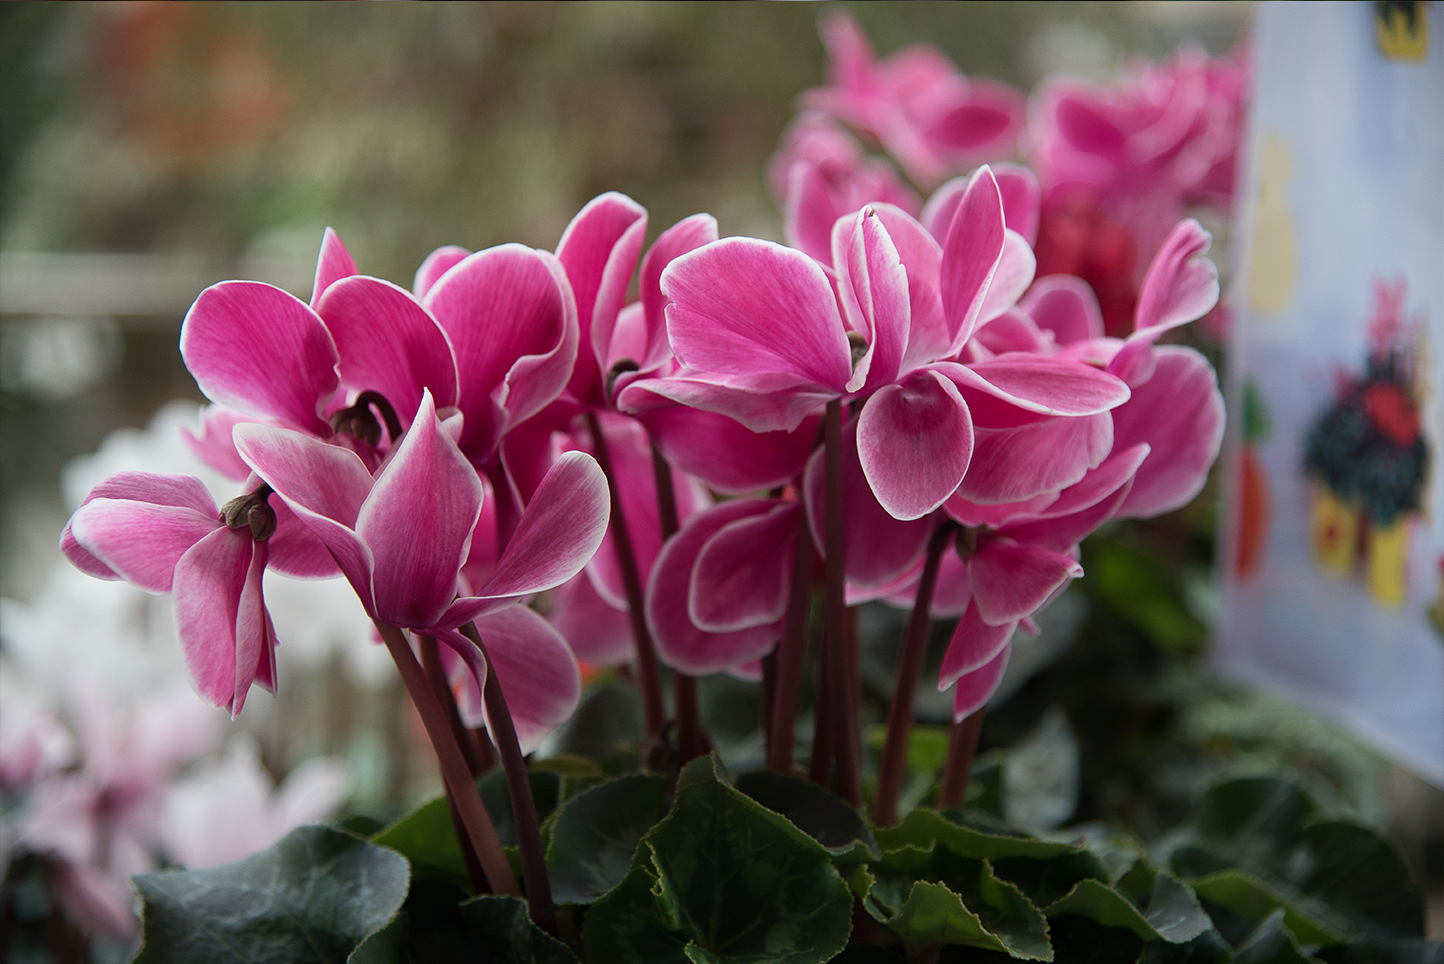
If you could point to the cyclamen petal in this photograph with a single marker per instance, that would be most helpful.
(680, 644)
(727, 299)
(1011, 465)
(174, 490)
(140, 541)
(209, 582)
(766, 403)
(388, 343)
(332, 264)
(914, 442)
(536, 669)
(260, 350)
(928, 337)
(873, 285)
(417, 521)
(1011, 580)
(560, 530)
(976, 688)
(254, 636)
(597, 631)
(686, 235)
(743, 571)
(971, 253)
(437, 263)
(974, 645)
(1016, 268)
(214, 445)
(1066, 306)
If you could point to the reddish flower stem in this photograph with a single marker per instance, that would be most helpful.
(436, 675)
(963, 745)
(900, 712)
(789, 653)
(844, 695)
(518, 785)
(454, 772)
(769, 694)
(692, 738)
(653, 711)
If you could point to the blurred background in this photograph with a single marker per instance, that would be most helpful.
(149, 149)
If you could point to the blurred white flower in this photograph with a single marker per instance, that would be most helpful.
(227, 809)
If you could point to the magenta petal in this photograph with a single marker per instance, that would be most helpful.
(596, 630)
(761, 404)
(686, 235)
(1179, 413)
(976, 688)
(914, 441)
(680, 644)
(1041, 384)
(253, 630)
(881, 548)
(418, 521)
(537, 671)
(1066, 306)
(599, 250)
(874, 289)
(727, 299)
(928, 338)
(1014, 464)
(173, 490)
(1063, 533)
(1181, 284)
(511, 319)
(1101, 482)
(743, 572)
(1014, 274)
(809, 212)
(260, 350)
(388, 343)
(938, 213)
(437, 263)
(560, 530)
(971, 253)
(1022, 199)
(295, 549)
(973, 645)
(140, 541)
(324, 485)
(214, 446)
(1012, 580)
(209, 581)
(722, 452)
(332, 264)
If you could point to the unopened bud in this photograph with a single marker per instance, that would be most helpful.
(252, 511)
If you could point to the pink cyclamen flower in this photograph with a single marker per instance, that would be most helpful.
(402, 537)
(164, 534)
(903, 306)
(925, 112)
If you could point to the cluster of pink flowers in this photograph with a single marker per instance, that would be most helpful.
(1120, 164)
(894, 383)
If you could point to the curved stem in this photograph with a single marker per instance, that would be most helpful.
(963, 745)
(436, 674)
(454, 772)
(844, 695)
(691, 736)
(653, 712)
(900, 712)
(518, 785)
(789, 655)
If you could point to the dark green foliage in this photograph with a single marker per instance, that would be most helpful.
(312, 897)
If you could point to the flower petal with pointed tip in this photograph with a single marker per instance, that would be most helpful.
(1014, 464)
(140, 541)
(974, 644)
(874, 287)
(332, 264)
(388, 343)
(536, 669)
(686, 235)
(976, 688)
(260, 350)
(971, 253)
(1012, 580)
(437, 263)
(209, 581)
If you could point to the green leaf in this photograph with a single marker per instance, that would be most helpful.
(312, 897)
(546, 786)
(427, 838)
(1101, 903)
(607, 722)
(1251, 898)
(1331, 877)
(596, 834)
(1173, 913)
(506, 934)
(1270, 943)
(999, 916)
(746, 884)
(923, 828)
(816, 811)
(630, 925)
(386, 946)
(1046, 880)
